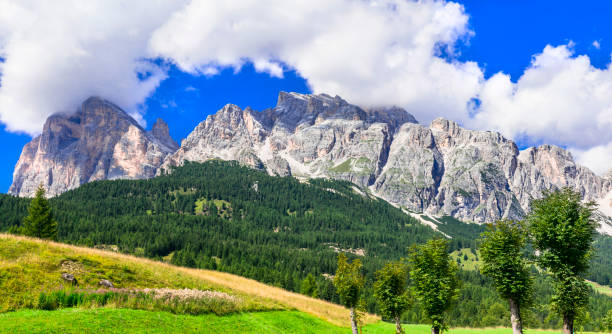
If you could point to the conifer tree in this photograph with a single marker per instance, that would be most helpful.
(309, 286)
(40, 222)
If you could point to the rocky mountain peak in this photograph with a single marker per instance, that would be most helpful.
(547, 153)
(98, 141)
(394, 116)
(161, 132)
(294, 109)
(96, 111)
(439, 169)
(445, 125)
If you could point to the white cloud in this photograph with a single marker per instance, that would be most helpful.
(369, 52)
(596, 45)
(596, 158)
(57, 53)
(561, 99)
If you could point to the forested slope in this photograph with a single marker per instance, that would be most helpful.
(218, 215)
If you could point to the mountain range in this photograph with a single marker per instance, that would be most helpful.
(440, 169)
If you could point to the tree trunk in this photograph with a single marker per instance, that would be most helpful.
(515, 317)
(568, 325)
(435, 330)
(353, 322)
(398, 326)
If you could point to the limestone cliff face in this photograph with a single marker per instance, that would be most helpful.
(440, 169)
(100, 141)
(304, 136)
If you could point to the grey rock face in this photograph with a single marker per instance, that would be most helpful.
(106, 283)
(608, 175)
(100, 141)
(551, 167)
(440, 169)
(161, 132)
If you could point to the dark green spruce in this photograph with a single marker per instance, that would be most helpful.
(39, 222)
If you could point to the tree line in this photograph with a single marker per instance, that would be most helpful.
(561, 230)
(285, 233)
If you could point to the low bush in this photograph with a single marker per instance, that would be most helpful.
(185, 301)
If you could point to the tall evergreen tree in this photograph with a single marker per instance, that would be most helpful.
(39, 222)
(434, 280)
(309, 286)
(501, 251)
(563, 231)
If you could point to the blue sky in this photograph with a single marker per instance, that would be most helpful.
(506, 36)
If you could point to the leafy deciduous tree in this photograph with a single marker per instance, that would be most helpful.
(434, 280)
(349, 283)
(607, 322)
(391, 291)
(563, 231)
(501, 250)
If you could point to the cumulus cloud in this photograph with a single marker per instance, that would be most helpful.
(596, 158)
(378, 52)
(57, 53)
(371, 53)
(561, 99)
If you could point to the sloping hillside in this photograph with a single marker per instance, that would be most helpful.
(276, 230)
(218, 215)
(30, 266)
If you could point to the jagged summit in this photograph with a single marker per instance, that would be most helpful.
(293, 110)
(438, 169)
(161, 132)
(98, 141)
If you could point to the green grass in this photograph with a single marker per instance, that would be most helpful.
(465, 259)
(29, 267)
(606, 290)
(344, 167)
(202, 204)
(134, 321)
(107, 320)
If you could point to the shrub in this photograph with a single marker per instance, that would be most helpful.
(185, 301)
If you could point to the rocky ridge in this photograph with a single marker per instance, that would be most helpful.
(440, 169)
(98, 142)
(436, 169)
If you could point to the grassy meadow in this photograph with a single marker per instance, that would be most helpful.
(29, 267)
(108, 320)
